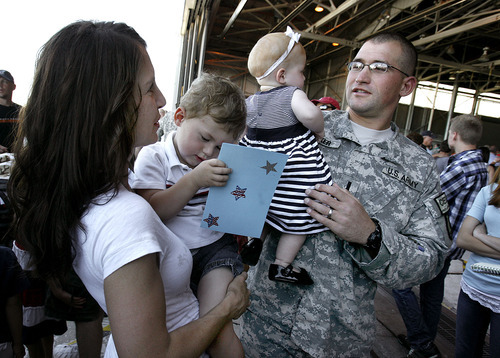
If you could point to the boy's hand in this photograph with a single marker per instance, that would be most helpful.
(211, 172)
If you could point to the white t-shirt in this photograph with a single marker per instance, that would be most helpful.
(158, 167)
(122, 230)
(367, 135)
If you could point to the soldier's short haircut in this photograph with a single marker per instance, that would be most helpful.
(407, 62)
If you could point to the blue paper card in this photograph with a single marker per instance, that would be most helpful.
(240, 207)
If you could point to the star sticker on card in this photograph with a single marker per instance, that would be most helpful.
(239, 192)
(269, 167)
(211, 220)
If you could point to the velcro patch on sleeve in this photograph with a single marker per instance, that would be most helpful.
(438, 205)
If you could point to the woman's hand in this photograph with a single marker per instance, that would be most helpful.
(239, 295)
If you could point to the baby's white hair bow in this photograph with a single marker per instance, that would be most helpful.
(294, 38)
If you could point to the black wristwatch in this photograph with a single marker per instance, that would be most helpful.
(375, 239)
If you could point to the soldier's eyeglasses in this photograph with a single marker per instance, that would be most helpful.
(376, 67)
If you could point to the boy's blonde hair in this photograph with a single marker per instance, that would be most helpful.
(267, 50)
(469, 128)
(218, 97)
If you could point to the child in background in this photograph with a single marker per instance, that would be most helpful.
(38, 329)
(282, 119)
(174, 177)
(12, 283)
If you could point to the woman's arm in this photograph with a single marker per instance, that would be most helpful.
(467, 240)
(492, 241)
(136, 309)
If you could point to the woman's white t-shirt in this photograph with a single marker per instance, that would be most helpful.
(121, 230)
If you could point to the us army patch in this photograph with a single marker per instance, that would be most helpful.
(442, 203)
(396, 174)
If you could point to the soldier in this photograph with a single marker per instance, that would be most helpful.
(385, 211)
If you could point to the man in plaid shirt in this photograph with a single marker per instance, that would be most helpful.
(461, 181)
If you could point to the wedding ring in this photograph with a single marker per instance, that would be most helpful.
(329, 216)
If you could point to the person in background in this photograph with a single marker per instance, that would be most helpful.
(416, 138)
(69, 300)
(175, 176)
(9, 111)
(385, 214)
(94, 99)
(442, 156)
(462, 179)
(427, 143)
(492, 167)
(38, 329)
(493, 153)
(326, 103)
(479, 300)
(485, 152)
(12, 284)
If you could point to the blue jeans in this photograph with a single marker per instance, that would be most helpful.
(221, 253)
(421, 319)
(472, 324)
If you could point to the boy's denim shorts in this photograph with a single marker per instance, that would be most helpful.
(221, 253)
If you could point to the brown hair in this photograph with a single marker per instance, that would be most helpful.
(407, 62)
(495, 195)
(75, 136)
(218, 97)
(469, 128)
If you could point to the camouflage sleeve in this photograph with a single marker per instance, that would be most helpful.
(415, 253)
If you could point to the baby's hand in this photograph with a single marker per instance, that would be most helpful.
(211, 172)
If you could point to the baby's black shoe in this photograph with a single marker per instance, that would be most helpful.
(288, 275)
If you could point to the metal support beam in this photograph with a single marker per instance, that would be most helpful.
(292, 15)
(456, 30)
(233, 17)
(346, 5)
(456, 65)
(453, 100)
(329, 39)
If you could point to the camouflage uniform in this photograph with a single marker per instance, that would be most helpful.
(397, 183)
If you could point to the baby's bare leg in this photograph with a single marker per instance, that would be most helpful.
(288, 248)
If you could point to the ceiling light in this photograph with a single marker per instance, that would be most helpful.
(335, 44)
(484, 57)
(319, 8)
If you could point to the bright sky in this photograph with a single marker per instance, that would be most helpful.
(28, 24)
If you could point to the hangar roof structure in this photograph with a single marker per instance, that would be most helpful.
(457, 40)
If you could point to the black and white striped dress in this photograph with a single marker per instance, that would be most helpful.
(272, 125)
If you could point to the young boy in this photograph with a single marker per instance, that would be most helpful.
(174, 177)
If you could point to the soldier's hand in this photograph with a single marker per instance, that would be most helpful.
(340, 211)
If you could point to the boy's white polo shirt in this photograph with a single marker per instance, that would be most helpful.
(158, 167)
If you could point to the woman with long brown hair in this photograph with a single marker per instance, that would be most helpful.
(94, 98)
